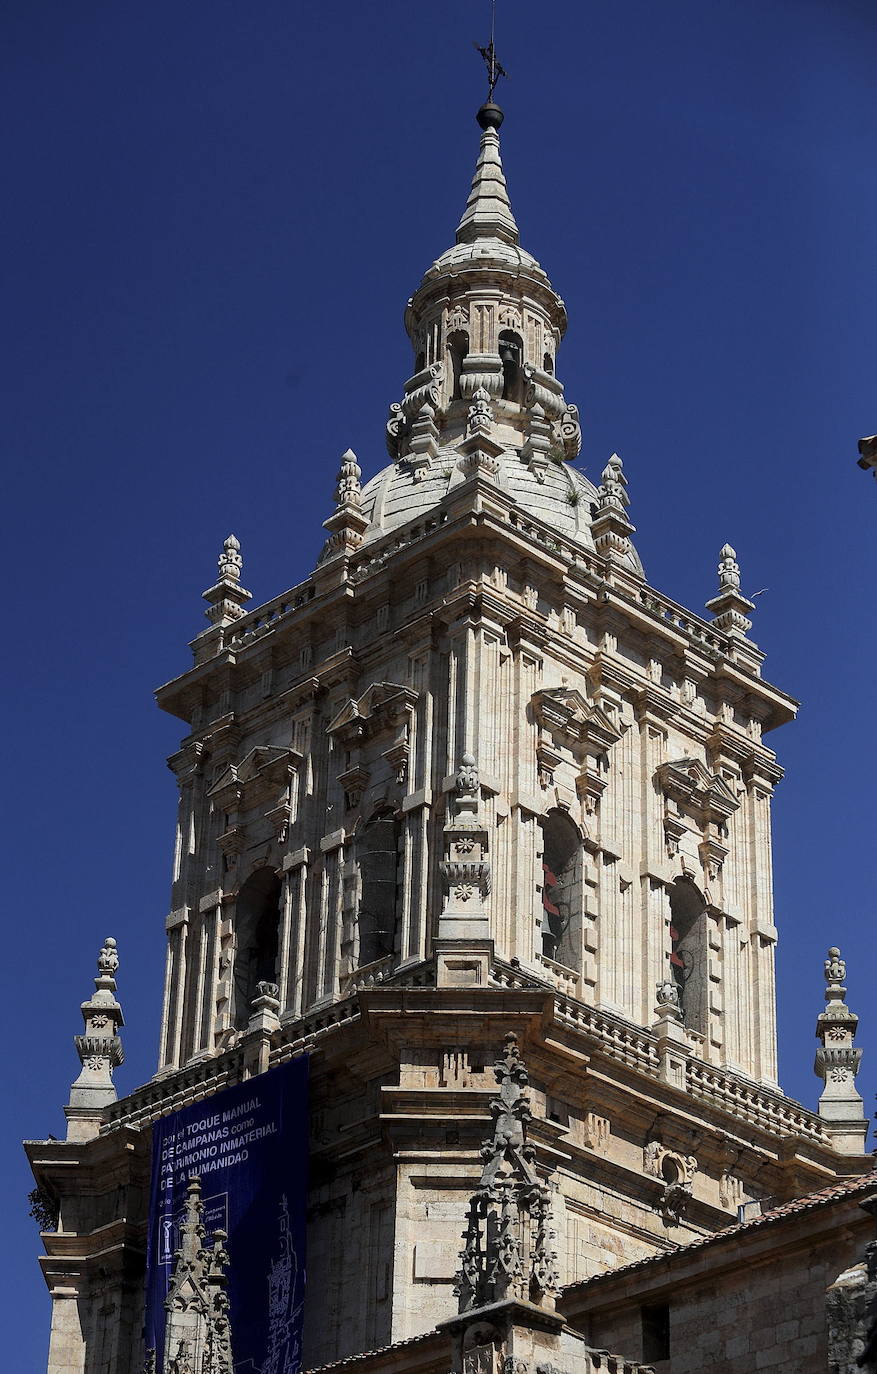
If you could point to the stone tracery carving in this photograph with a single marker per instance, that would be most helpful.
(610, 527)
(837, 1059)
(99, 1048)
(261, 780)
(479, 419)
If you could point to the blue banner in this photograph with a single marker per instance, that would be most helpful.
(248, 1147)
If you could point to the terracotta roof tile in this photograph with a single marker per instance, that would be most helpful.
(370, 1354)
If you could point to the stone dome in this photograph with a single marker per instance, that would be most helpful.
(486, 252)
(564, 499)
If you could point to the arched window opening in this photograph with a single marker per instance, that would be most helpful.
(377, 851)
(561, 917)
(257, 922)
(688, 952)
(419, 362)
(548, 364)
(458, 347)
(511, 353)
(669, 1169)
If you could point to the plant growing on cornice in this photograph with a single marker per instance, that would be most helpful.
(44, 1209)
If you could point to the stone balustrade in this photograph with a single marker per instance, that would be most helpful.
(748, 1102)
(566, 980)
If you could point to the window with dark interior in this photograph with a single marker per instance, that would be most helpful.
(688, 952)
(419, 362)
(511, 353)
(656, 1332)
(561, 921)
(257, 922)
(377, 851)
(548, 364)
(458, 347)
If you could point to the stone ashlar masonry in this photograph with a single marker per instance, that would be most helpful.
(367, 694)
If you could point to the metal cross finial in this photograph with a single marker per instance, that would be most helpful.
(494, 68)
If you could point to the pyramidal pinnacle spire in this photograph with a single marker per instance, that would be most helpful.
(488, 212)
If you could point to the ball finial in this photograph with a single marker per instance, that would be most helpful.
(490, 116)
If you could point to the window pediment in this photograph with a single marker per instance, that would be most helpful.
(383, 710)
(382, 707)
(701, 794)
(568, 715)
(260, 773)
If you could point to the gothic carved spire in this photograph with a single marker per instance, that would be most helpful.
(227, 598)
(198, 1332)
(730, 608)
(509, 1238)
(99, 1049)
(837, 1061)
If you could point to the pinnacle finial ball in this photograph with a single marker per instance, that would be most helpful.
(490, 116)
(727, 552)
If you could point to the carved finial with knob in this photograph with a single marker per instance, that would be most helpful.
(230, 561)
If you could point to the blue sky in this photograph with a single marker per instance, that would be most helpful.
(214, 214)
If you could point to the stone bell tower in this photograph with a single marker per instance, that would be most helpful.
(475, 777)
(476, 722)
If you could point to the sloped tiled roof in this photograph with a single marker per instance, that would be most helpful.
(364, 1355)
(848, 1187)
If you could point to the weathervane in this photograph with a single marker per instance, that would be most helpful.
(494, 69)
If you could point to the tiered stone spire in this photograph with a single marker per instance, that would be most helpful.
(99, 1049)
(509, 1250)
(837, 1062)
(347, 522)
(730, 608)
(485, 318)
(227, 598)
(198, 1332)
(488, 212)
(610, 527)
